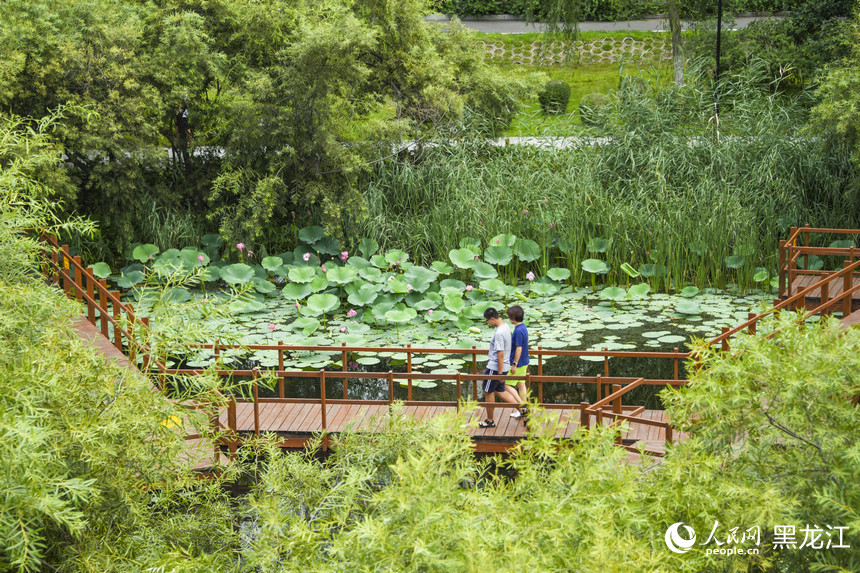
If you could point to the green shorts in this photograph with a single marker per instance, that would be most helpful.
(519, 371)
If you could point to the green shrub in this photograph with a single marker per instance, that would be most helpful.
(554, 96)
(590, 108)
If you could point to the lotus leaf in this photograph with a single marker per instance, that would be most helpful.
(262, 286)
(296, 291)
(425, 304)
(176, 295)
(370, 273)
(379, 261)
(441, 267)
(498, 255)
(364, 296)
(484, 271)
(101, 270)
(558, 274)
(451, 291)
(815, 263)
(190, 258)
(368, 247)
(211, 239)
(598, 245)
(761, 275)
(672, 339)
(595, 266)
(688, 307)
(144, 253)
(272, 264)
(341, 275)
(492, 285)
(358, 262)
(328, 246)
(395, 256)
(354, 339)
(318, 284)
(744, 250)
(842, 244)
(301, 274)
(306, 324)
(454, 303)
(638, 291)
(396, 285)
(544, 289)
(503, 240)
(689, 291)
(437, 316)
(244, 306)
(166, 266)
(380, 308)
(400, 316)
(462, 258)
(368, 360)
(321, 303)
(210, 274)
(299, 257)
(630, 271)
(417, 274)
(128, 280)
(453, 283)
(527, 250)
(476, 311)
(613, 293)
(735, 262)
(311, 235)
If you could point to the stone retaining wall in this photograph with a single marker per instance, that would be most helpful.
(603, 51)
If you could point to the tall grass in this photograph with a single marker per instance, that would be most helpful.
(669, 181)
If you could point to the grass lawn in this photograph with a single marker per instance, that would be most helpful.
(583, 80)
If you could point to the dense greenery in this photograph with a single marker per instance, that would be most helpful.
(288, 102)
(669, 187)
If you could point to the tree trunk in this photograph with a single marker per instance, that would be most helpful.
(675, 27)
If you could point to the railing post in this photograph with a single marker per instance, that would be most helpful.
(825, 296)
(132, 343)
(675, 360)
(390, 386)
(540, 360)
(792, 268)
(669, 433)
(79, 281)
(117, 330)
(751, 328)
(55, 258)
(459, 382)
(91, 295)
(847, 283)
(103, 307)
(806, 244)
(725, 343)
(781, 270)
(409, 369)
(474, 371)
(231, 422)
(599, 388)
(616, 409)
(66, 274)
(344, 368)
(280, 369)
(147, 355)
(606, 362)
(584, 416)
(323, 408)
(256, 373)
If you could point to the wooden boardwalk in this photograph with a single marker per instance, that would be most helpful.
(295, 422)
(813, 298)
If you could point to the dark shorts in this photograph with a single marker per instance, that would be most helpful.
(493, 385)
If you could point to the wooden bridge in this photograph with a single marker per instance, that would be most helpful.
(297, 420)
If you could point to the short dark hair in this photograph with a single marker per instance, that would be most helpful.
(515, 313)
(491, 313)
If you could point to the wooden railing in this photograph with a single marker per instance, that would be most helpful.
(791, 250)
(129, 334)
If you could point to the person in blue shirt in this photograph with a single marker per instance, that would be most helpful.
(519, 355)
(498, 363)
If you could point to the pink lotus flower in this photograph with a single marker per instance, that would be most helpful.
(272, 326)
(525, 211)
(150, 257)
(476, 257)
(306, 257)
(323, 268)
(343, 329)
(469, 288)
(530, 276)
(391, 278)
(200, 258)
(344, 255)
(298, 306)
(408, 288)
(498, 240)
(251, 254)
(240, 246)
(351, 313)
(430, 311)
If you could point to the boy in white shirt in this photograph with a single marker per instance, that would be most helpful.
(498, 363)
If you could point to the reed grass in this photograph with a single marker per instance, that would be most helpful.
(668, 179)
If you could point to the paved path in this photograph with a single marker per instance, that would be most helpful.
(508, 26)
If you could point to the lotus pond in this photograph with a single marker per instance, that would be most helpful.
(571, 318)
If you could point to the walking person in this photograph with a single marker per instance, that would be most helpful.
(519, 356)
(498, 363)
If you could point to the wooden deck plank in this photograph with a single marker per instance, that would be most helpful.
(294, 417)
(271, 416)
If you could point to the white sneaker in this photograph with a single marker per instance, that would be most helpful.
(516, 414)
